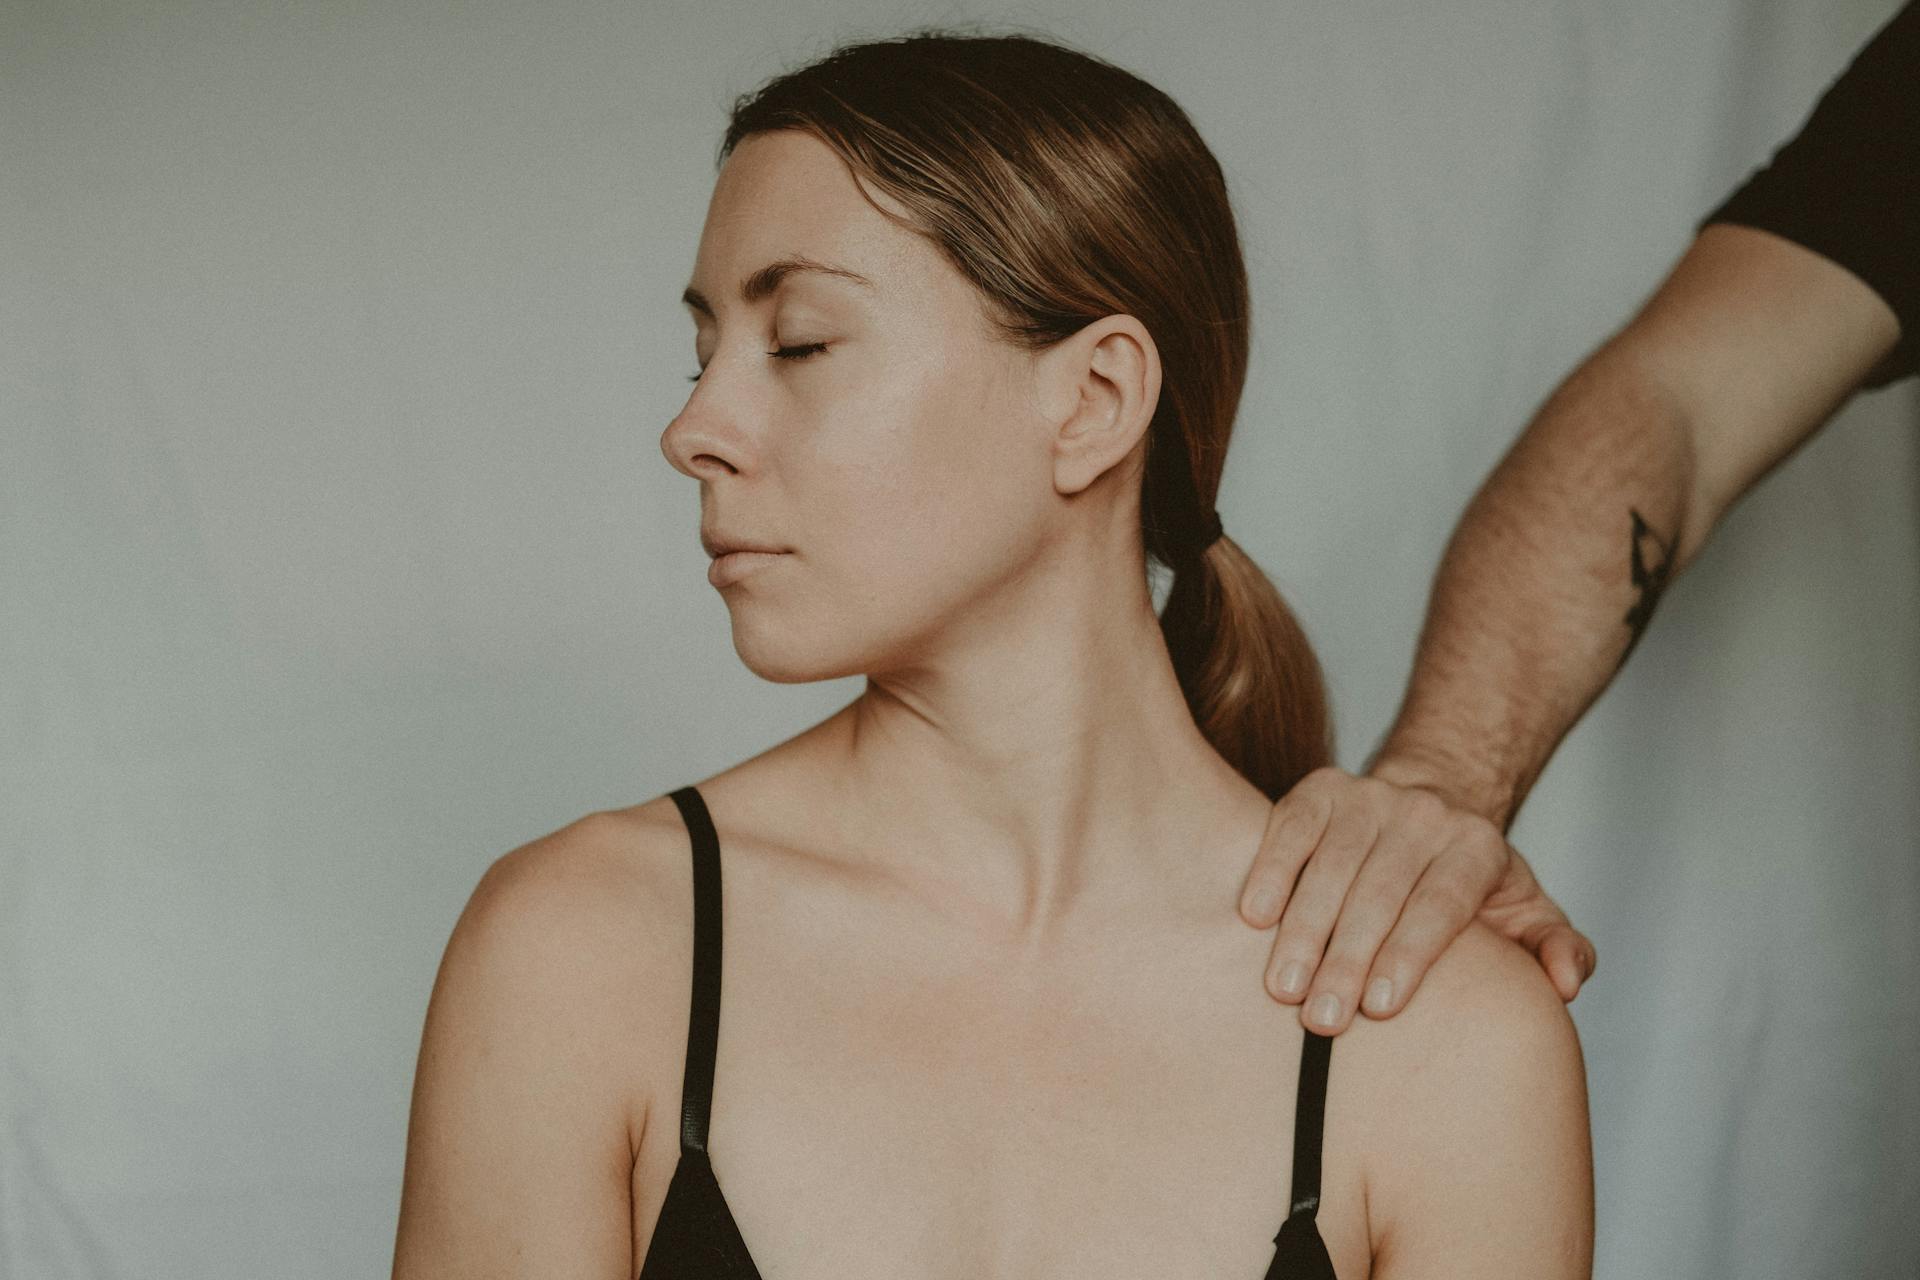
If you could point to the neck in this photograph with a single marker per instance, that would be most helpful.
(1043, 770)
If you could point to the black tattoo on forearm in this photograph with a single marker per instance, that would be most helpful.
(1650, 576)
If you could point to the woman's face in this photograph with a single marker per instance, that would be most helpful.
(873, 429)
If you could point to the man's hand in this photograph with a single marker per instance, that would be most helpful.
(1388, 875)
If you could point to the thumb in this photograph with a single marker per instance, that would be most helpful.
(1566, 956)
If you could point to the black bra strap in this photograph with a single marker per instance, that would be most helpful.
(1309, 1118)
(703, 1019)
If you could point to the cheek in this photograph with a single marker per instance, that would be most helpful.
(926, 478)
(911, 507)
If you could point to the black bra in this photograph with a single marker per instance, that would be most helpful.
(696, 1238)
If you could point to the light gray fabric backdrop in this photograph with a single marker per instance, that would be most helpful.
(338, 557)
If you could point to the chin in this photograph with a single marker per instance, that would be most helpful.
(785, 657)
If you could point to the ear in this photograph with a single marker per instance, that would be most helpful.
(1099, 388)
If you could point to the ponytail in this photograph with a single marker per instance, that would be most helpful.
(1249, 674)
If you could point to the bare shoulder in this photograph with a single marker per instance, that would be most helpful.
(1477, 1150)
(581, 938)
(580, 907)
(553, 1025)
(1486, 988)
(607, 894)
(1485, 1028)
(591, 874)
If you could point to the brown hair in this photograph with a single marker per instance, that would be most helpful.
(1067, 190)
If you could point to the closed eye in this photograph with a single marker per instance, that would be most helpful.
(781, 353)
(798, 353)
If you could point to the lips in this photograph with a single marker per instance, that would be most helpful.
(731, 566)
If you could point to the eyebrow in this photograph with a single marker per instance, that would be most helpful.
(762, 283)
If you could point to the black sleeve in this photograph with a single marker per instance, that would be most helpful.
(1847, 186)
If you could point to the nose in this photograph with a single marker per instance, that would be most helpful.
(697, 441)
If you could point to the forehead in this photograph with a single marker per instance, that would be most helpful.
(786, 194)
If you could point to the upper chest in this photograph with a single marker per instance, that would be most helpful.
(887, 1104)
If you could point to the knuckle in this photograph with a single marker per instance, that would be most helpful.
(1304, 931)
(1453, 898)
(1490, 842)
(1378, 791)
(1306, 920)
(1417, 936)
(1423, 809)
(1291, 826)
(1336, 862)
(1484, 852)
(1483, 833)
(1308, 787)
(1292, 823)
(1373, 904)
(1394, 867)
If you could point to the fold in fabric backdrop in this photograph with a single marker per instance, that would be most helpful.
(337, 557)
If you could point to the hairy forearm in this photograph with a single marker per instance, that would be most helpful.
(1556, 566)
(1548, 582)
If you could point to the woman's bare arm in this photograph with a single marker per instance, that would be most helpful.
(521, 1145)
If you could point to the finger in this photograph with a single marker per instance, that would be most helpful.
(1315, 904)
(1372, 907)
(1568, 958)
(1446, 898)
(1294, 826)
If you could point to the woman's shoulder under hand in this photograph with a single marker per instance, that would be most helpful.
(1484, 988)
(1473, 1106)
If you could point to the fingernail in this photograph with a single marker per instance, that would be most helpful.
(1263, 903)
(1293, 979)
(1326, 1010)
(1379, 995)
